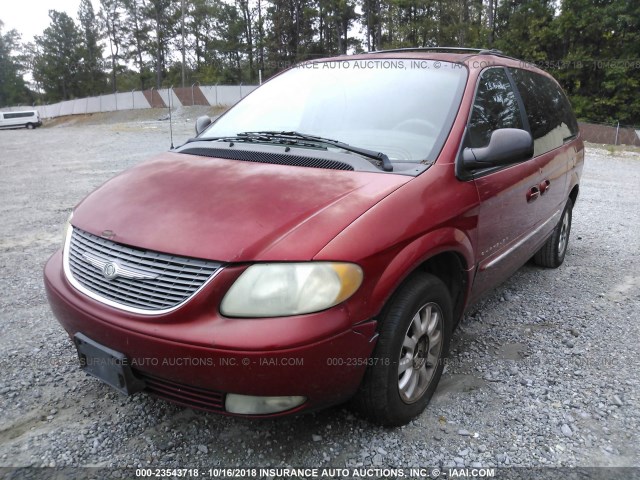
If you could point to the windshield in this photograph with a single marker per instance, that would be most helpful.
(403, 108)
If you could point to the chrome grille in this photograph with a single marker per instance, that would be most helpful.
(146, 282)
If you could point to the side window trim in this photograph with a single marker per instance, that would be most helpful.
(466, 175)
(460, 172)
(475, 93)
(523, 111)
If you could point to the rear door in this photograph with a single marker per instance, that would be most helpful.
(553, 126)
(507, 213)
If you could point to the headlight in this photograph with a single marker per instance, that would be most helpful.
(282, 289)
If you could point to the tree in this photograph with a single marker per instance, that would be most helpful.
(12, 86)
(137, 30)
(343, 15)
(59, 58)
(162, 15)
(199, 26)
(291, 31)
(373, 24)
(599, 44)
(248, 31)
(227, 45)
(90, 72)
(111, 23)
(526, 29)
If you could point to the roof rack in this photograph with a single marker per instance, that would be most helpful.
(442, 49)
(478, 51)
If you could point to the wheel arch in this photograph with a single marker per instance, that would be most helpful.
(447, 254)
(573, 195)
(450, 267)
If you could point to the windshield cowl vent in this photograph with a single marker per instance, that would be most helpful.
(268, 157)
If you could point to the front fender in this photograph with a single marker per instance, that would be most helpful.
(431, 214)
(420, 250)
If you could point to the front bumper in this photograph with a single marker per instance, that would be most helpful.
(194, 356)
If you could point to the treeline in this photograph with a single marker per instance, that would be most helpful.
(593, 48)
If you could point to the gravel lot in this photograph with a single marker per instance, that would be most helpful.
(543, 372)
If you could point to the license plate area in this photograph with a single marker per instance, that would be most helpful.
(107, 365)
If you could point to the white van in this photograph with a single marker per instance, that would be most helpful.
(28, 118)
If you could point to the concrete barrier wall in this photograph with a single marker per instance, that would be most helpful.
(211, 94)
(93, 104)
(165, 93)
(79, 106)
(226, 94)
(139, 100)
(66, 108)
(223, 95)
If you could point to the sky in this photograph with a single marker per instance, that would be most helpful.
(31, 17)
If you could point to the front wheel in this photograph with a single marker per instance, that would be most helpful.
(30, 126)
(552, 253)
(409, 357)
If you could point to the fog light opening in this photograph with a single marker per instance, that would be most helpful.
(253, 405)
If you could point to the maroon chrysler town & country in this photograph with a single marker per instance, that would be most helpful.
(320, 241)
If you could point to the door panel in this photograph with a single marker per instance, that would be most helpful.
(508, 197)
(506, 220)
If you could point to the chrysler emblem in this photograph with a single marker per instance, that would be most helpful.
(110, 270)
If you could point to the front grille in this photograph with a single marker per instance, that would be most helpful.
(144, 281)
(186, 395)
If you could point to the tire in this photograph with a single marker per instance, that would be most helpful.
(552, 253)
(403, 373)
(30, 126)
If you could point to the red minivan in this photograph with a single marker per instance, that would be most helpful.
(320, 241)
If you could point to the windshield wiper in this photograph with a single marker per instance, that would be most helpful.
(296, 136)
(251, 137)
(300, 139)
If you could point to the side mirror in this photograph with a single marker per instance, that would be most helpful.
(506, 146)
(201, 123)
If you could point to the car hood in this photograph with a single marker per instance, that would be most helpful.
(228, 210)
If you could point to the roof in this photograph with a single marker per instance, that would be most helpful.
(473, 58)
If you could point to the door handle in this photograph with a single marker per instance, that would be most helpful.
(533, 194)
(544, 186)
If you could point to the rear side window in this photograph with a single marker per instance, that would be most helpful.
(549, 113)
(495, 107)
(19, 115)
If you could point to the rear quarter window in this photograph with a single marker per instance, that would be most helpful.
(549, 112)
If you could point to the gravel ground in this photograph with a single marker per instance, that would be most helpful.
(544, 372)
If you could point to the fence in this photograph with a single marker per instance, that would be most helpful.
(216, 95)
(610, 134)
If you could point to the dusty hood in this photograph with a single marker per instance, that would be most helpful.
(229, 210)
